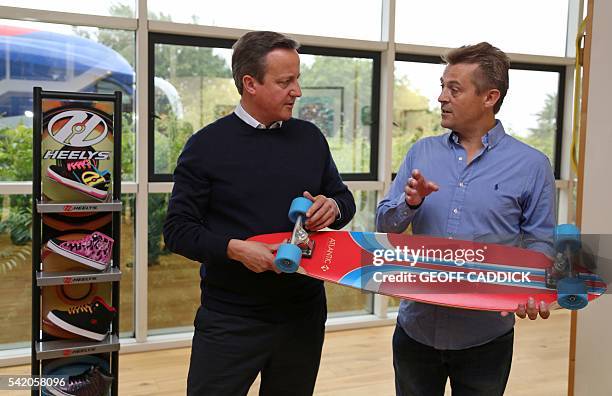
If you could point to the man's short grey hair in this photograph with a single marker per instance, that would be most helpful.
(249, 57)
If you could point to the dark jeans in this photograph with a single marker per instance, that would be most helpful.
(421, 370)
(229, 351)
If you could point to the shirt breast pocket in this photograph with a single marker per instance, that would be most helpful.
(500, 201)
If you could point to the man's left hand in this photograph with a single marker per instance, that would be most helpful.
(531, 310)
(322, 213)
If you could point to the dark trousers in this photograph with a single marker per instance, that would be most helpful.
(229, 351)
(421, 370)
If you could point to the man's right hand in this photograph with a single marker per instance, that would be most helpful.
(417, 188)
(256, 256)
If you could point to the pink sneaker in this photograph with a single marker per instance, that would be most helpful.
(94, 250)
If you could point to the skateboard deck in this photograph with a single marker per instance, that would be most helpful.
(448, 272)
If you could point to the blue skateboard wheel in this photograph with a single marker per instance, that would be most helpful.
(299, 207)
(288, 258)
(572, 293)
(567, 235)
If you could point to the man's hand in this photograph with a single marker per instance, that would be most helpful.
(417, 188)
(531, 310)
(256, 256)
(323, 212)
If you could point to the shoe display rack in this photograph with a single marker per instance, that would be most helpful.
(76, 217)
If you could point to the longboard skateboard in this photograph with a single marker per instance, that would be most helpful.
(449, 272)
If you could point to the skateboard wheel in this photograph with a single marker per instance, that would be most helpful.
(288, 258)
(572, 293)
(299, 207)
(567, 235)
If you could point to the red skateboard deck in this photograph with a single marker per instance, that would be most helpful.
(454, 273)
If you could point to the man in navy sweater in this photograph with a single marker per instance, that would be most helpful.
(234, 179)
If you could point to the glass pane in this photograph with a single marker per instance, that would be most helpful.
(122, 8)
(317, 17)
(521, 26)
(174, 281)
(59, 58)
(128, 244)
(343, 301)
(15, 271)
(416, 111)
(529, 111)
(337, 97)
(193, 87)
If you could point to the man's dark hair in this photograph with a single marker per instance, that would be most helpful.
(492, 71)
(250, 52)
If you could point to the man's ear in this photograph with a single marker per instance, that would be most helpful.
(492, 98)
(248, 84)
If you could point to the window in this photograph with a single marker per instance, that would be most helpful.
(193, 86)
(124, 8)
(59, 58)
(360, 19)
(16, 270)
(340, 97)
(127, 261)
(530, 111)
(174, 281)
(520, 26)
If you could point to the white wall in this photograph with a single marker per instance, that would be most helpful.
(593, 375)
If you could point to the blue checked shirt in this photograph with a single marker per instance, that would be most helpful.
(506, 194)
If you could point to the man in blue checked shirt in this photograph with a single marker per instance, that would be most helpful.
(477, 183)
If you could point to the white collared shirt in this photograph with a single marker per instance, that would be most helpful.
(246, 117)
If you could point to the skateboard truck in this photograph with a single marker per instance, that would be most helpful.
(571, 290)
(289, 255)
(299, 237)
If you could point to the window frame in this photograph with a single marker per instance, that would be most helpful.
(209, 42)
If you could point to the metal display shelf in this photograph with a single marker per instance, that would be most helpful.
(46, 350)
(68, 207)
(72, 278)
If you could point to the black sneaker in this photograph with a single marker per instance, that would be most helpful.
(91, 382)
(88, 320)
(82, 175)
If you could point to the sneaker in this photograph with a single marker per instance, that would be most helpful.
(91, 320)
(82, 175)
(94, 250)
(91, 382)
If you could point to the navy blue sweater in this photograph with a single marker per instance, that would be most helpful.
(236, 181)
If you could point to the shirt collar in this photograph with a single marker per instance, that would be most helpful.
(246, 117)
(489, 140)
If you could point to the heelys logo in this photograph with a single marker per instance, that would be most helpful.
(78, 128)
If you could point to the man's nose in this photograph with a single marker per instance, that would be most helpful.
(443, 97)
(296, 91)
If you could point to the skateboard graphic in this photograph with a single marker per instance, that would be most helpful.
(449, 272)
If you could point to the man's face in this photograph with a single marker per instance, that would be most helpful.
(462, 107)
(275, 96)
